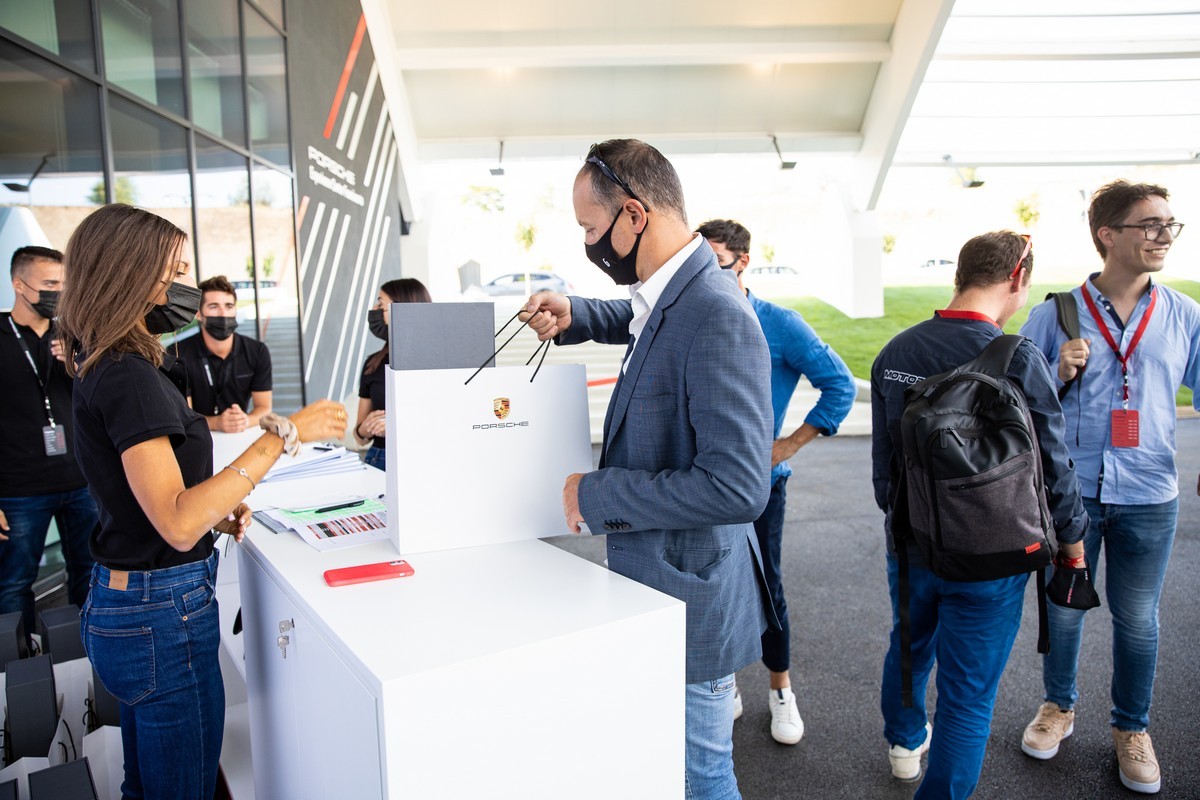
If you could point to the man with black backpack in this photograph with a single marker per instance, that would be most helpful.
(954, 611)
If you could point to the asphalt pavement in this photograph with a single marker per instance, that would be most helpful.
(833, 561)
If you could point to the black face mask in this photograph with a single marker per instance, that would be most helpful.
(376, 324)
(183, 302)
(220, 328)
(622, 269)
(47, 302)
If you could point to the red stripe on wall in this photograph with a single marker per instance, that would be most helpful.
(346, 70)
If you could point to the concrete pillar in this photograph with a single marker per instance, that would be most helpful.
(848, 252)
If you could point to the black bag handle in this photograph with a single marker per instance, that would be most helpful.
(1068, 323)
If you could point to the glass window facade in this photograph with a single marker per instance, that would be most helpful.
(121, 106)
(215, 67)
(266, 81)
(64, 27)
(141, 50)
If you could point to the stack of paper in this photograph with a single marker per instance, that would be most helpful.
(314, 460)
(344, 524)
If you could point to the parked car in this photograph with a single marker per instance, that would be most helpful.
(514, 283)
(939, 262)
(771, 270)
(773, 281)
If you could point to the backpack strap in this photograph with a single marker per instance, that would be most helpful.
(1043, 644)
(1068, 323)
(997, 356)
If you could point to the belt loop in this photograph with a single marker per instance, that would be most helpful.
(145, 586)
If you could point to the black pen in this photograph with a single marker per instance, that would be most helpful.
(339, 507)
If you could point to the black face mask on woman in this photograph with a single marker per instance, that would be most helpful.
(183, 302)
(622, 269)
(376, 324)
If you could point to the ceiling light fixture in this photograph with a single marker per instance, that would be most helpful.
(968, 181)
(782, 164)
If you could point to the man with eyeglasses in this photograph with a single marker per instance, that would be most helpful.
(687, 440)
(1140, 341)
(796, 351)
(966, 627)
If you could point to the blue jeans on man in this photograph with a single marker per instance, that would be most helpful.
(968, 629)
(154, 645)
(28, 522)
(776, 642)
(708, 755)
(1137, 543)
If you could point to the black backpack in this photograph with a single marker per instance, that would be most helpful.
(971, 494)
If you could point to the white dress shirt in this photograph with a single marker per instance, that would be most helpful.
(644, 295)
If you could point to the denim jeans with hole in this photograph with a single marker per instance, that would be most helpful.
(28, 521)
(968, 628)
(708, 757)
(1137, 543)
(154, 646)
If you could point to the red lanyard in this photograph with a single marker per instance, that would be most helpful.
(1133, 343)
(947, 313)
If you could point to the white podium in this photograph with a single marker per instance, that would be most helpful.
(509, 670)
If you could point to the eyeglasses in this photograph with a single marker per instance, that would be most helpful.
(1152, 230)
(593, 157)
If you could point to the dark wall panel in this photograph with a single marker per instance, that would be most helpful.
(347, 174)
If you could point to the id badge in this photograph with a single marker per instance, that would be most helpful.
(55, 439)
(1125, 428)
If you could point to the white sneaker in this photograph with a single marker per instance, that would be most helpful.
(786, 725)
(737, 702)
(906, 764)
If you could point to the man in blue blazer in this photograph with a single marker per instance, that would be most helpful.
(687, 439)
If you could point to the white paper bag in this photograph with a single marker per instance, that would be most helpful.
(484, 462)
(105, 756)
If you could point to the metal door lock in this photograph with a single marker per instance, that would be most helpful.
(283, 641)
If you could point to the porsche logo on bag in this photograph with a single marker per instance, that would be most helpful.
(500, 407)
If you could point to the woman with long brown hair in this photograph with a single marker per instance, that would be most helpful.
(150, 623)
(371, 425)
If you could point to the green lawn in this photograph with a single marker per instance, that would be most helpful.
(859, 340)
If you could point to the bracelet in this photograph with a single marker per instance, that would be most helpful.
(285, 429)
(244, 474)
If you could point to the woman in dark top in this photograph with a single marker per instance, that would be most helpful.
(372, 425)
(150, 623)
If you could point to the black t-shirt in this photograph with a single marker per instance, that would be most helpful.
(372, 387)
(119, 403)
(25, 469)
(215, 384)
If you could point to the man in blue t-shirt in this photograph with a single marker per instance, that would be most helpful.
(968, 628)
(796, 351)
(1139, 341)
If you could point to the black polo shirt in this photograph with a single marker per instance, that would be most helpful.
(373, 387)
(119, 403)
(215, 384)
(25, 469)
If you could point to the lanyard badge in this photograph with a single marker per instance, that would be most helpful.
(1124, 424)
(54, 436)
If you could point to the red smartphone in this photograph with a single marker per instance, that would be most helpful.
(368, 572)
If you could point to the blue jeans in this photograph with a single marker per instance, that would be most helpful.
(1137, 545)
(376, 457)
(968, 628)
(154, 646)
(28, 522)
(708, 758)
(776, 644)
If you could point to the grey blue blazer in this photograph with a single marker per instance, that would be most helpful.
(686, 463)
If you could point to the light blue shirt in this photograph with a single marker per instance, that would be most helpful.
(1167, 357)
(797, 350)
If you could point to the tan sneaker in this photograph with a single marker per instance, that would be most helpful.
(1135, 758)
(1051, 725)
